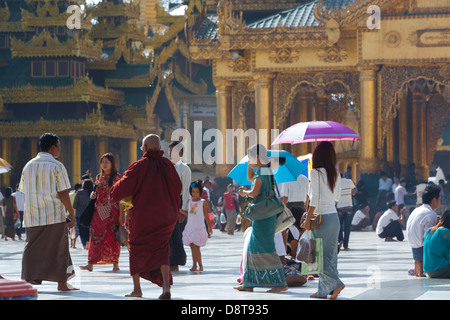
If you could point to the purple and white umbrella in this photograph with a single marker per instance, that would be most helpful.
(316, 131)
(4, 166)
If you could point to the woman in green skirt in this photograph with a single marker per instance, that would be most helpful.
(263, 267)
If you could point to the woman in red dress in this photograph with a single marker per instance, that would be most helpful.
(104, 248)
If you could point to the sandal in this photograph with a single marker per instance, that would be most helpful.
(241, 288)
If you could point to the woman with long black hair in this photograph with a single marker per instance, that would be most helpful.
(325, 190)
(104, 248)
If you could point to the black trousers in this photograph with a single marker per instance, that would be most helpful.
(393, 229)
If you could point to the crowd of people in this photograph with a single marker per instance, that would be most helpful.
(50, 215)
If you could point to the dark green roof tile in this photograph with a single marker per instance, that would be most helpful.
(299, 16)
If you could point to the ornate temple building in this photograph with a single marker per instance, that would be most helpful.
(382, 67)
(100, 86)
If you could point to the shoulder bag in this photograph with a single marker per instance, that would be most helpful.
(284, 219)
(87, 214)
(264, 206)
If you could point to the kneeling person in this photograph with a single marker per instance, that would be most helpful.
(389, 225)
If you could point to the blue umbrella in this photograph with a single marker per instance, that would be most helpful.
(289, 171)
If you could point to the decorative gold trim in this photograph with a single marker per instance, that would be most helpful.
(82, 90)
(110, 9)
(4, 13)
(107, 30)
(141, 81)
(190, 85)
(352, 14)
(332, 54)
(239, 65)
(176, 44)
(163, 83)
(54, 18)
(93, 125)
(47, 45)
(394, 84)
(284, 56)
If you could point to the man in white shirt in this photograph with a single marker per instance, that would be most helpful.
(389, 225)
(293, 193)
(400, 193)
(384, 188)
(361, 218)
(177, 253)
(345, 210)
(420, 221)
(46, 185)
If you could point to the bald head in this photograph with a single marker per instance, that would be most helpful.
(151, 143)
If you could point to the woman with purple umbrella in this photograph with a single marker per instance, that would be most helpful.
(325, 190)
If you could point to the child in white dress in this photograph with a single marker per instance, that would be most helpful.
(195, 234)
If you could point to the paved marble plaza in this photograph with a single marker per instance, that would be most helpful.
(372, 269)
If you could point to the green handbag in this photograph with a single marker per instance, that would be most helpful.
(265, 205)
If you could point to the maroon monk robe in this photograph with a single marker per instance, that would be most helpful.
(155, 187)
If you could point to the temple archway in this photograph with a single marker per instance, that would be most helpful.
(417, 120)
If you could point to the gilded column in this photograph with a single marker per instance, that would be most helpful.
(33, 147)
(392, 145)
(133, 151)
(224, 107)
(300, 114)
(6, 155)
(419, 135)
(264, 106)
(76, 160)
(101, 147)
(321, 108)
(368, 88)
(403, 136)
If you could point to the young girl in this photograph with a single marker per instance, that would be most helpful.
(195, 234)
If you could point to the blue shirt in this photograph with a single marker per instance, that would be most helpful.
(436, 250)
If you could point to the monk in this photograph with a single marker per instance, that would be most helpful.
(155, 187)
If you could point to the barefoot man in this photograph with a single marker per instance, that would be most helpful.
(46, 185)
(155, 187)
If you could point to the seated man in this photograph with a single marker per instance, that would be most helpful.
(361, 218)
(389, 225)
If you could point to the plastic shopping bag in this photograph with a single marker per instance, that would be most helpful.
(306, 247)
(315, 265)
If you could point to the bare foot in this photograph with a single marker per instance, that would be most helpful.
(134, 294)
(64, 286)
(240, 288)
(420, 275)
(336, 292)
(88, 267)
(314, 295)
(277, 289)
(165, 296)
(116, 267)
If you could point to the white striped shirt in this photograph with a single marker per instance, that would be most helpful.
(42, 178)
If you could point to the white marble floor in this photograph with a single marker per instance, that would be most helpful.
(371, 270)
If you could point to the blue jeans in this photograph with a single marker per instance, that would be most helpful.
(345, 218)
(329, 230)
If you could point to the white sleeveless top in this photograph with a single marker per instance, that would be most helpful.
(320, 195)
